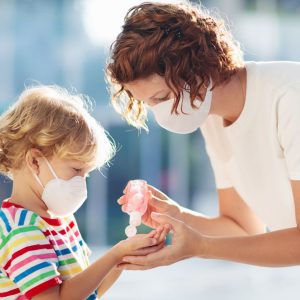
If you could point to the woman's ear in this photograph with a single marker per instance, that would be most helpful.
(33, 158)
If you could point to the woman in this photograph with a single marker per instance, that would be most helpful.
(184, 66)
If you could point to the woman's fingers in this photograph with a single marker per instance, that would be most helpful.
(153, 259)
(157, 193)
(157, 203)
(126, 266)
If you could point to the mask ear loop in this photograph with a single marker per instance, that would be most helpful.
(51, 170)
(50, 167)
(38, 180)
(207, 98)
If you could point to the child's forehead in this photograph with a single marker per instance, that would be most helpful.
(79, 164)
(83, 165)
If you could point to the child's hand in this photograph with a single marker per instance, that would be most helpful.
(143, 244)
(161, 233)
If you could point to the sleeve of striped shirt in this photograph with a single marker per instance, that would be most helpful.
(87, 248)
(29, 260)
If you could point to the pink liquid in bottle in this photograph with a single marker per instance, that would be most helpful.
(136, 203)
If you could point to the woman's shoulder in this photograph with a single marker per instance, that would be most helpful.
(274, 64)
(284, 70)
(273, 77)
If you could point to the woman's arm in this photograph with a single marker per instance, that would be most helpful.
(235, 217)
(278, 248)
(273, 249)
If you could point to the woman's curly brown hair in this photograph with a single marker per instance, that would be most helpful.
(180, 42)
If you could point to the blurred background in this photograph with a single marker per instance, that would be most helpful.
(66, 42)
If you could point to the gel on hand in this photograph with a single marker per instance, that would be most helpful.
(136, 203)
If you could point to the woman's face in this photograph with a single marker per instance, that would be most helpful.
(151, 90)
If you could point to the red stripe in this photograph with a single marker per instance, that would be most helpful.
(7, 204)
(43, 287)
(62, 231)
(10, 293)
(54, 221)
(24, 250)
(68, 228)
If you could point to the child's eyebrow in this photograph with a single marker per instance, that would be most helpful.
(86, 168)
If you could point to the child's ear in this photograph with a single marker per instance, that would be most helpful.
(33, 158)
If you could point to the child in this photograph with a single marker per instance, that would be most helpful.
(48, 145)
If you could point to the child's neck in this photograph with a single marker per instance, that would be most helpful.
(29, 200)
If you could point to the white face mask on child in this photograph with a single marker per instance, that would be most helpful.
(187, 121)
(63, 197)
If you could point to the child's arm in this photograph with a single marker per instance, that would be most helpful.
(108, 281)
(114, 274)
(85, 283)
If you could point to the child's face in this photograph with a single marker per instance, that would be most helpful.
(64, 168)
(26, 185)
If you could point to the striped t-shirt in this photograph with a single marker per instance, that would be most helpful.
(37, 253)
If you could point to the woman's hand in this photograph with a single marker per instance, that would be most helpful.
(186, 243)
(158, 202)
(142, 244)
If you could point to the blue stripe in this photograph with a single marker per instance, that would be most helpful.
(22, 217)
(62, 252)
(65, 251)
(31, 270)
(92, 296)
(3, 217)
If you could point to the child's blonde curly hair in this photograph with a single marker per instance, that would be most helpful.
(56, 122)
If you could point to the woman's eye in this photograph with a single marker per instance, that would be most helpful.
(163, 98)
(77, 170)
(167, 97)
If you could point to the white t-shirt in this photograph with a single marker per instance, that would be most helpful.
(259, 153)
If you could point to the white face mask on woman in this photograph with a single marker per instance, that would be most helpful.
(187, 121)
(63, 197)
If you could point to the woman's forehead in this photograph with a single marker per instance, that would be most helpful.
(146, 87)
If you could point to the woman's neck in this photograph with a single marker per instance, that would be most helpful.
(229, 99)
